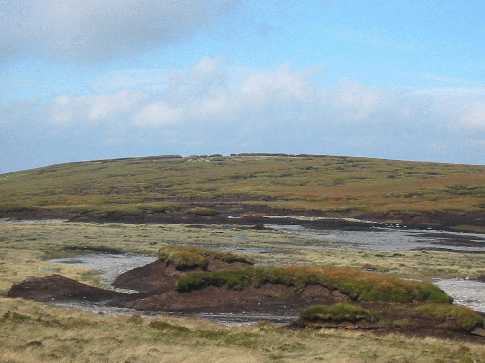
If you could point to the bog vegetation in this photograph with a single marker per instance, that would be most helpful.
(338, 313)
(209, 186)
(357, 284)
(192, 257)
(452, 316)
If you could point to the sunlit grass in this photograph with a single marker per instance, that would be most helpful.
(33, 332)
(359, 285)
(184, 257)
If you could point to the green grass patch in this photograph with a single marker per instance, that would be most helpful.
(192, 257)
(203, 211)
(466, 190)
(338, 313)
(13, 316)
(166, 327)
(359, 285)
(453, 316)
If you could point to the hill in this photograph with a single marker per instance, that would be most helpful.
(211, 188)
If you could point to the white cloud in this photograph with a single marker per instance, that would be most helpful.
(97, 29)
(280, 84)
(158, 114)
(473, 116)
(212, 92)
(356, 101)
(93, 108)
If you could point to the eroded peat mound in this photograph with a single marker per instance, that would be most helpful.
(187, 279)
(60, 288)
(174, 262)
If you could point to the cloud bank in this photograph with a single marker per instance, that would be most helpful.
(93, 29)
(213, 93)
(216, 107)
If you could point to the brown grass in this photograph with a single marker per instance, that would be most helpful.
(49, 334)
(330, 185)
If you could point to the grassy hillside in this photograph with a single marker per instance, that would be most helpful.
(208, 186)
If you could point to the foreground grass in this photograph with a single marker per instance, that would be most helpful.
(33, 332)
(203, 185)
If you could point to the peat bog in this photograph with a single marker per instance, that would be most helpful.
(328, 245)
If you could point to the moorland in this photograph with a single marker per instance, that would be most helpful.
(155, 206)
(211, 188)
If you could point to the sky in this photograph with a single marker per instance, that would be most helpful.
(90, 79)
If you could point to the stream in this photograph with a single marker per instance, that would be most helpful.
(390, 239)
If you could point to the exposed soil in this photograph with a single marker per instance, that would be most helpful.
(277, 299)
(58, 288)
(399, 318)
(255, 215)
(161, 276)
(481, 278)
(274, 298)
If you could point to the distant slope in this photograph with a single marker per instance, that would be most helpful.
(158, 188)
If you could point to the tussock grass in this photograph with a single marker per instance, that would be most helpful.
(203, 211)
(192, 257)
(453, 316)
(359, 285)
(338, 313)
(53, 334)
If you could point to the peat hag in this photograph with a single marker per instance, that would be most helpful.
(188, 279)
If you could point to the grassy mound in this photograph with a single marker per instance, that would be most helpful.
(192, 257)
(453, 316)
(338, 313)
(358, 285)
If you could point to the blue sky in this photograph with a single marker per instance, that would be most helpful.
(88, 79)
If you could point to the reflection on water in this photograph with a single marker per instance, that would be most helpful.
(390, 239)
(465, 292)
(110, 266)
(228, 319)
